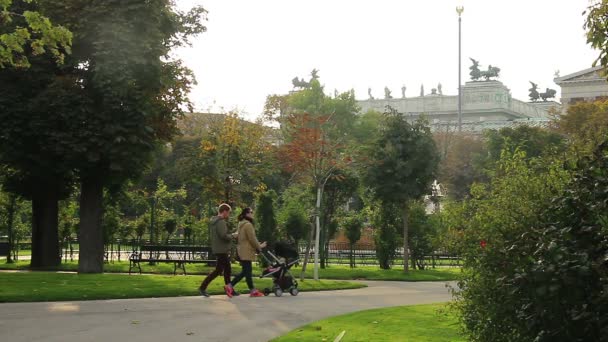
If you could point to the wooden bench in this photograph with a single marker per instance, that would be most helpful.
(178, 255)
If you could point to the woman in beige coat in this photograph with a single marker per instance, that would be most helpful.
(247, 247)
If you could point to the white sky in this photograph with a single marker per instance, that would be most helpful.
(255, 48)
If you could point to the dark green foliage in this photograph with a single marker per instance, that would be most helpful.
(296, 225)
(266, 222)
(561, 291)
(496, 229)
(403, 163)
(339, 188)
(386, 222)
(352, 229)
(534, 141)
(421, 234)
(170, 227)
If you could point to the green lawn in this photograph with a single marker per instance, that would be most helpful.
(420, 323)
(49, 286)
(375, 273)
(332, 272)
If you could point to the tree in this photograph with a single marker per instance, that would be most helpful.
(462, 164)
(124, 91)
(421, 234)
(265, 217)
(25, 31)
(585, 125)
(311, 155)
(238, 155)
(296, 225)
(597, 32)
(403, 163)
(534, 141)
(352, 228)
(339, 188)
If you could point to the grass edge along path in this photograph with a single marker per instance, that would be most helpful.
(52, 286)
(428, 323)
(336, 272)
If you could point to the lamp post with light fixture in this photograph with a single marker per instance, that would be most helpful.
(459, 10)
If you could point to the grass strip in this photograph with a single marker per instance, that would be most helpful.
(420, 323)
(51, 286)
(337, 272)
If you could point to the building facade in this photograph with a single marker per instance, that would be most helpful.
(485, 105)
(584, 85)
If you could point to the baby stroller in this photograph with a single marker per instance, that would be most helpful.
(283, 258)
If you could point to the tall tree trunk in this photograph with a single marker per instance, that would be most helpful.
(12, 204)
(307, 253)
(317, 233)
(406, 253)
(45, 231)
(90, 259)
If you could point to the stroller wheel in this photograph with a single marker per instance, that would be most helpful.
(278, 292)
(294, 291)
(266, 291)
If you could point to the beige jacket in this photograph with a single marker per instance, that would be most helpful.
(247, 244)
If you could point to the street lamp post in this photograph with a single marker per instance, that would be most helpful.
(459, 10)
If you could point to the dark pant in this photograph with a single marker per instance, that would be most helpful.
(221, 267)
(245, 272)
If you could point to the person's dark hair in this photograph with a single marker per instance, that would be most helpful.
(244, 212)
(224, 207)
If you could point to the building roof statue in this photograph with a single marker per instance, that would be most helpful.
(369, 93)
(403, 88)
(548, 94)
(534, 95)
(387, 93)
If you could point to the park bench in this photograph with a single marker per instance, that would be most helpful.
(178, 255)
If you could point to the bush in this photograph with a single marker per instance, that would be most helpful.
(498, 243)
(562, 289)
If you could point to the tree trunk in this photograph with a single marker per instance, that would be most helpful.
(90, 259)
(12, 204)
(406, 253)
(307, 253)
(351, 256)
(45, 232)
(318, 230)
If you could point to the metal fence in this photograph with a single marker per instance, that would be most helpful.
(339, 253)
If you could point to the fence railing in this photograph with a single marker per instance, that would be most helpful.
(338, 253)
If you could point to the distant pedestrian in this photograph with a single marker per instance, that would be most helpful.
(220, 246)
(247, 247)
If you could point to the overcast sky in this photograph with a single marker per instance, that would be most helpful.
(255, 48)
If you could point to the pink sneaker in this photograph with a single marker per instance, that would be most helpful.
(256, 293)
(229, 290)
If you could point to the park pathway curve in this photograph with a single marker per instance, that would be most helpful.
(201, 319)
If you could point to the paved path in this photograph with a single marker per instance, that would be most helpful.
(200, 319)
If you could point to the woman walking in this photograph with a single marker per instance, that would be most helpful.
(247, 247)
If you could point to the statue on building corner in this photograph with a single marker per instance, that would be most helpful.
(387, 93)
(369, 92)
(439, 89)
(475, 72)
(548, 94)
(422, 90)
(403, 88)
(534, 95)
